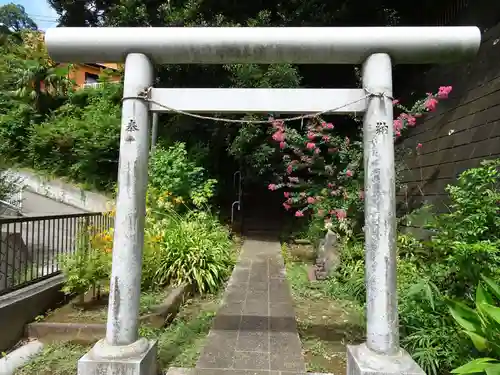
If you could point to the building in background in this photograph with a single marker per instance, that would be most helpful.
(87, 75)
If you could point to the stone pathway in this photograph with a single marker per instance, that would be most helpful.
(254, 331)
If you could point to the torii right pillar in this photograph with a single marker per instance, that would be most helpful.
(380, 354)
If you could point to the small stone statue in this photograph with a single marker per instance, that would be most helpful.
(328, 258)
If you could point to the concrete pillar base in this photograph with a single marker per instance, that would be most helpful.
(138, 358)
(363, 361)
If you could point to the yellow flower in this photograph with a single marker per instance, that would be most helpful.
(178, 200)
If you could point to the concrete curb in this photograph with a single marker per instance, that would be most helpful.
(162, 315)
(19, 357)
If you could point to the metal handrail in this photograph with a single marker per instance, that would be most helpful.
(238, 201)
(12, 220)
(31, 247)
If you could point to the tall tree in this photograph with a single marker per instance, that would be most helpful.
(14, 17)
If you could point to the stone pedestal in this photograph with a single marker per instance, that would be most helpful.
(138, 358)
(363, 361)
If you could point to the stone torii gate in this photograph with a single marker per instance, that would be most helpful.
(377, 48)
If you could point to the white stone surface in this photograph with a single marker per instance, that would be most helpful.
(130, 363)
(19, 357)
(363, 361)
(281, 101)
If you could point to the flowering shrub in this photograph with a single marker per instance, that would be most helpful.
(90, 266)
(323, 175)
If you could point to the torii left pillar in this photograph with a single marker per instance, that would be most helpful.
(123, 351)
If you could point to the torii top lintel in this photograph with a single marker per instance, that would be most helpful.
(302, 45)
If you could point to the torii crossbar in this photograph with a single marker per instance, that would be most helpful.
(376, 48)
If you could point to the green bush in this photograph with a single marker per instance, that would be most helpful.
(81, 140)
(173, 173)
(193, 248)
(464, 246)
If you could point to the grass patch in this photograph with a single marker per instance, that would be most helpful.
(55, 359)
(179, 344)
(326, 324)
(96, 311)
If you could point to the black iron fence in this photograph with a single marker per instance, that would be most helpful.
(30, 247)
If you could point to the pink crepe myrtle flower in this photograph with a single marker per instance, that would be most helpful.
(431, 103)
(395, 102)
(398, 125)
(317, 150)
(278, 124)
(311, 200)
(279, 136)
(282, 145)
(287, 206)
(349, 173)
(326, 138)
(286, 194)
(272, 187)
(310, 145)
(327, 125)
(289, 169)
(299, 214)
(419, 146)
(311, 136)
(341, 214)
(444, 91)
(411, 120)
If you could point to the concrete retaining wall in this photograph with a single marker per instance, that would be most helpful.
(64, 192)
(22, 306)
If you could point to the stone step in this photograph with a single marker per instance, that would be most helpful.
(199, 371)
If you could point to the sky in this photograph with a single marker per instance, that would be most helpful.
(39, 11)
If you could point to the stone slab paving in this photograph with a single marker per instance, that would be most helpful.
(254, 331)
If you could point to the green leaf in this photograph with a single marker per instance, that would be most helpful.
(492, 311)
(492, 285)
(475, 366)
(482, 296)
(479, 341)
(493, 369)
(467, 318)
